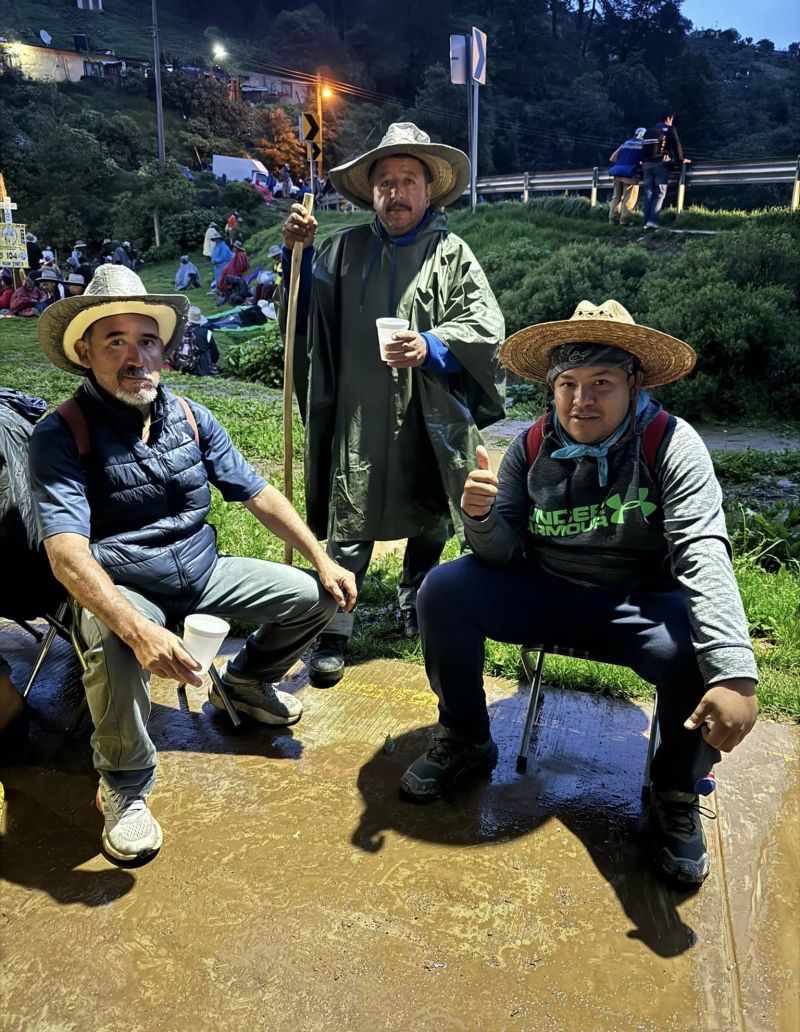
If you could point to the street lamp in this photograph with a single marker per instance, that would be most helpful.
(219, 52)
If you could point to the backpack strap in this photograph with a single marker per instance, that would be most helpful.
(533, 439)
(72, 414)
(652, 438)
(184, 404)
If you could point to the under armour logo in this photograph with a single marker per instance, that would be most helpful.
(619, 508)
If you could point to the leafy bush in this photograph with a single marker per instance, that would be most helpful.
(771, 537)
(187, 229)
(166, 252)
(259, 358)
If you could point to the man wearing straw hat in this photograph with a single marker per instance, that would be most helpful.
(598, 536)
(389, 441)
(121, 479)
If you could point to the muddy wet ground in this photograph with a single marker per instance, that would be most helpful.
(296, 891)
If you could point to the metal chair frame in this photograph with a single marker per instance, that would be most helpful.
(64, 621)
(533, 673)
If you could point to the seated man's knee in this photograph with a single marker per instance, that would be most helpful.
(443, 589)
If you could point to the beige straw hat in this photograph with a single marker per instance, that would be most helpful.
(663, 359)
(113, 290)
(448, 166)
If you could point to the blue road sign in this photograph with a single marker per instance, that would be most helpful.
(478, 56)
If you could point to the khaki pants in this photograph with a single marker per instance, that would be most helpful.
(623, 200)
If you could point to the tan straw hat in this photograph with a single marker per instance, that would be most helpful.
(113, 290)
(448, 166)
(663, 359)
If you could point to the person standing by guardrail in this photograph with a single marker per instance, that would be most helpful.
(661, 148)
(626, 170)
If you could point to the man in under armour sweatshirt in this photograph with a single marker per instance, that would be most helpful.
(603, 534)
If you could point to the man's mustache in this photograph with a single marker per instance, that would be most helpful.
(397, 206)
(131, 373)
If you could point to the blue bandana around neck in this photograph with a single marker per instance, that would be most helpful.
(571, 450)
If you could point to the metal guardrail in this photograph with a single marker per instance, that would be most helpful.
(733, 173)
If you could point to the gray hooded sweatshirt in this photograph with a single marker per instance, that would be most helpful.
(654, 531)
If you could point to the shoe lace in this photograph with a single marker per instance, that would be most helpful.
(125, 806)
(444, 749)
(682, 815)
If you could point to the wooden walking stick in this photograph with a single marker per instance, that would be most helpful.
(288, 365)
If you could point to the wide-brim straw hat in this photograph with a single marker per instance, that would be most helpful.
(448, 166)
(113, 290)
(78, 243)
(663, 359)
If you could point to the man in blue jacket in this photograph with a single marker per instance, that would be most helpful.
(626, 170)
(121, 481)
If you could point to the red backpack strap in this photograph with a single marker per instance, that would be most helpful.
(184, 404)
(72, 414)
(652, 438)
(533, 440)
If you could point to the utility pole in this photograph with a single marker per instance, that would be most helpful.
(159, 111)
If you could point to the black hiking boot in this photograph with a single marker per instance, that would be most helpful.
(679, 843)
(448, 757)
(327, 660)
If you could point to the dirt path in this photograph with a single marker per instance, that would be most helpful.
(716, 436)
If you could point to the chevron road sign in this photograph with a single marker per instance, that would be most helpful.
(309, 127)
(478, 56)
(314, 151)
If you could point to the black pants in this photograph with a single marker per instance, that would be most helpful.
(463, 603)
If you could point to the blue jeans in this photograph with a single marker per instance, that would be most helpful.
(655, 177)
(290, 605)
(464, 602)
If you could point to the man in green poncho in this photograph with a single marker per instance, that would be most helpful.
(390, 440)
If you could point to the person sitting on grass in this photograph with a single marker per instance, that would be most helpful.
(121, 478)
(27, 298)
(186, 275)
(603, 533)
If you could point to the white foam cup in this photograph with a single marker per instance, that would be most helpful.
(386, 328)
(203, 636)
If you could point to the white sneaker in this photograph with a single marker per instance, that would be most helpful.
(130, 831)
(258, 699)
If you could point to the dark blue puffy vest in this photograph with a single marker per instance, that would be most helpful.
(149, 502)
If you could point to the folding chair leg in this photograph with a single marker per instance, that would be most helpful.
(222, 691)
(652, 745)
(534, 675)
(31, 629)
(52, 630)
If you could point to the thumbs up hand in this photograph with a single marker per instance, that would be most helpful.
(480, 489)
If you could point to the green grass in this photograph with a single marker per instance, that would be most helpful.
(252, 415)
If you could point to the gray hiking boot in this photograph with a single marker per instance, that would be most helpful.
(448, 757)
(130, 831)
(258, 699)
(679, 841)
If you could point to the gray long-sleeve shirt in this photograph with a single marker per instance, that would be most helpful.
(638, 532)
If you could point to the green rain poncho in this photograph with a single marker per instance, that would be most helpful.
(388, 450)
